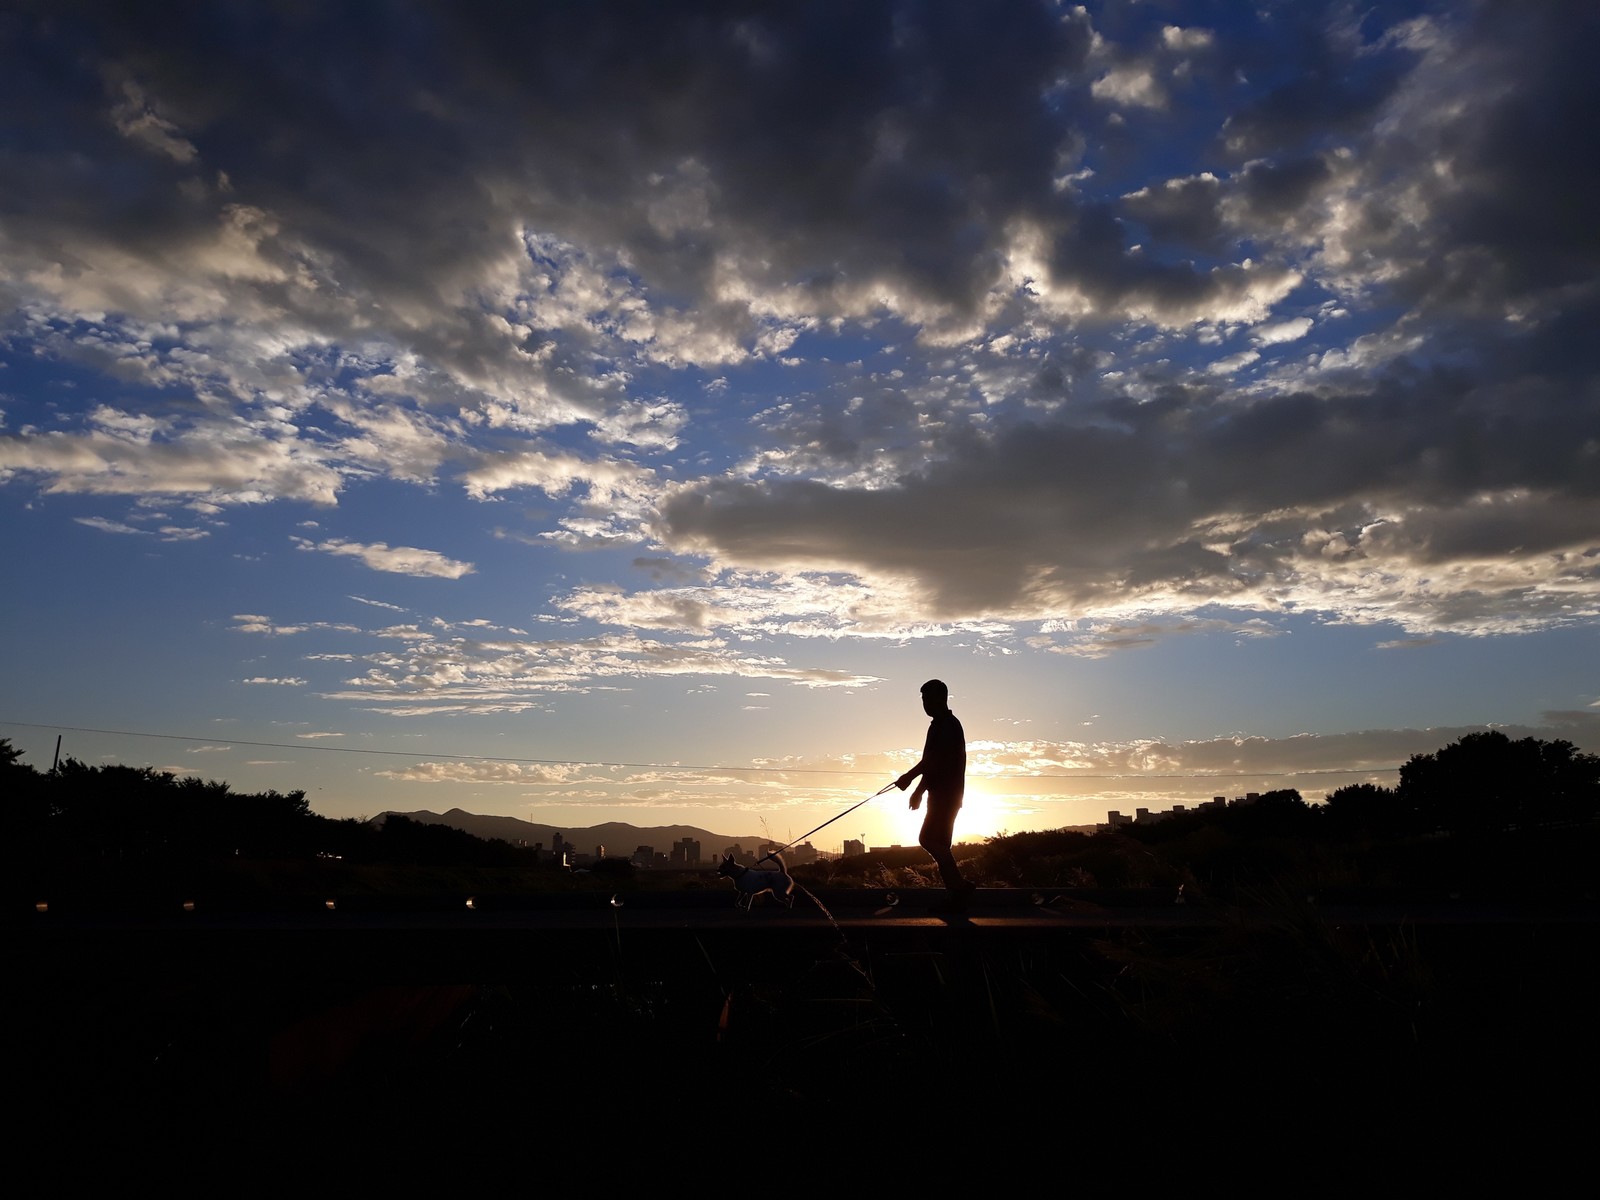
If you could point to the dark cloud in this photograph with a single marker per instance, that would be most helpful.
(1508, 219)
(839, 143)
(1184, 210)
(1273, 190)
(1324, 81)
(1191, 496)
(508, 214)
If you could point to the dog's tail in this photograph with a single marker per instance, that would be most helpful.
(778, 858)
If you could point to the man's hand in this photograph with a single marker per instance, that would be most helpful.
(904, 782)
(916, 798)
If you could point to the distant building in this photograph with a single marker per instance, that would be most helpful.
(686, 853)
(560, 851)
(853, 846)
(1143, 816)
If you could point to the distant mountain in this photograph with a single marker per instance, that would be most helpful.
(619, 839)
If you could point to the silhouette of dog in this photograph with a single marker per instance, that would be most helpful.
(749, 883)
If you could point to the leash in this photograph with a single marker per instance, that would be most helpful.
(829, 821)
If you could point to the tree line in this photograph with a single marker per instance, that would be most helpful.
(134, 815)
(1483, 785)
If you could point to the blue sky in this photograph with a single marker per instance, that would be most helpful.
(530, 409)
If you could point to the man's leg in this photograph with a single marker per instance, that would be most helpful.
(938, 831)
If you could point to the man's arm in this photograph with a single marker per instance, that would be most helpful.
(920, 769)
(905, 781)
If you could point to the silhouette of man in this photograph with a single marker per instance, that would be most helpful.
(944, 782)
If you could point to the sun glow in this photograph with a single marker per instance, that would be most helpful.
(982, 815)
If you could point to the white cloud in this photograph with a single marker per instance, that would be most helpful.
(220, 462)
(556, 474)
(397, 560)
(459, 675)
(1193, 38)
(255, 623)
(653, 424)
(523, 774)
(1274, 332)
(1234, 362)
(108, 526)
(1132, 85)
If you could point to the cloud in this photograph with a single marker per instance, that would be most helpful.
(1194, 38)
(293, 681)
(462, 675)
(1305, 761)
(1132, 84)
(1184, 210)
(555, 474)
(1406, 643)
(485, 773)
(1273, 333)
(1292, 315)
(108, 526)
(1234, 362)
(801, 604)
(1097, 639)
(398, 560)
(214, 461)
(255, 623)
(637, 423)
(1325, 503)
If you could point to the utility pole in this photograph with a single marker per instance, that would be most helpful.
(57, 761)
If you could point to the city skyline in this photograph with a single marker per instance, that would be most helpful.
(616, 412)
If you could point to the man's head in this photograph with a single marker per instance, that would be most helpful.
(935, 697)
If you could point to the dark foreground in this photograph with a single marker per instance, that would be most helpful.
(651, 1037)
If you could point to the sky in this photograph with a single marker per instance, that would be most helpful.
(615, 412)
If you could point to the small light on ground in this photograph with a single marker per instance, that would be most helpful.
(42, 906)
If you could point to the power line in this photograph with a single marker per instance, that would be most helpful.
(629, 766)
